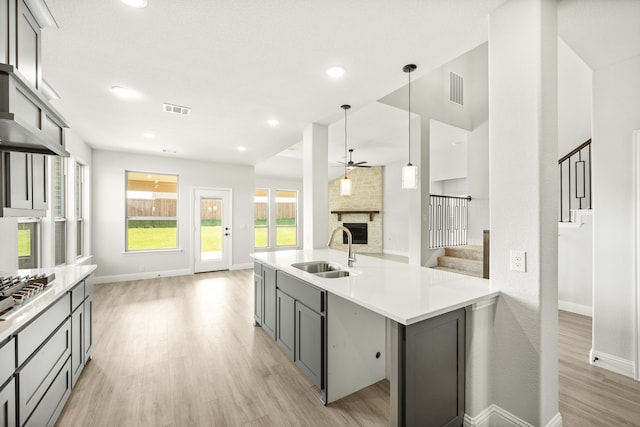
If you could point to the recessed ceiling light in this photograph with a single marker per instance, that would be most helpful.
(149, 135)
(335, 72)
(273, 122)
(124, 92)
(135, 3)
(241, 148)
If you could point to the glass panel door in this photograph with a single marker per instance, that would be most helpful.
(213, 230)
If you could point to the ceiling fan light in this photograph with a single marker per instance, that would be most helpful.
(410, 176)
(345, 186)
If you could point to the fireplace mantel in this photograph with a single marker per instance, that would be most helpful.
(370, 213)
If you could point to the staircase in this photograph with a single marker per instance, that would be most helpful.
(465, 259)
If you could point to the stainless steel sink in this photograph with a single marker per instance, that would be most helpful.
(315, 266)
(333, 274)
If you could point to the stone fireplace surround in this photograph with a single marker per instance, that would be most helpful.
(366, 195)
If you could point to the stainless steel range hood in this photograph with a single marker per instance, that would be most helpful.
(27, 122)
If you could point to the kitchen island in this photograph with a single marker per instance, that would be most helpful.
(384, 320)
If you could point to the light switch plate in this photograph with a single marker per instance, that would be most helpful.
(518, 261)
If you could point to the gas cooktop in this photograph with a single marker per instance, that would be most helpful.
(18, 291)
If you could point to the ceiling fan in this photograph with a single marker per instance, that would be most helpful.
(351, 164)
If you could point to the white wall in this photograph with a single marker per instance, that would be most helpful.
(395, 204)
(109, 213)
(574, 100)
(575, 266)
(523, 155)
(478, 182)
(273, 184)
(616, 114)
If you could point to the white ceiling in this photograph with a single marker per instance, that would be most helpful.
(239, 63)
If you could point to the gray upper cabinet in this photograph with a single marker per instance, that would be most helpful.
(24, 184)
(27, 122)
(28, 46)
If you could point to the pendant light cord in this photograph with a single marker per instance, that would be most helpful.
(409, 75)
(345, 143)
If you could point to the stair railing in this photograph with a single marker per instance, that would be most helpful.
(575, 193)
(448, 221)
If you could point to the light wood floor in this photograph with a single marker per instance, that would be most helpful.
(589, 395)
(183, 352)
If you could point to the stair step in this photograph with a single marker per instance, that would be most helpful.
(474, 252)
(462, 264)
(453, 270)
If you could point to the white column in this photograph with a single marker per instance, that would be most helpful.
(315, 184)
(524, 206)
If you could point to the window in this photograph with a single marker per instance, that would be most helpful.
(29, 243)
(59, 209)
(286, 215)
(79, 204)
(152, 221)
(261, 218)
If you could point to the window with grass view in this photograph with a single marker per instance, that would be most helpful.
(29, 243)
(261, 218)
(286, 217)
(152, 206)
(79, 204)
(59, 212)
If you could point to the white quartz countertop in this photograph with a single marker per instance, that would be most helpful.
(404, 293)
(66, 278)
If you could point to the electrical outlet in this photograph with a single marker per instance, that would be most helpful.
(141, 267)
(518, 261)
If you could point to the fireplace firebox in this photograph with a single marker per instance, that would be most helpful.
(358, 232)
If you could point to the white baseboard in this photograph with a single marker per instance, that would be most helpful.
(612, 363)
(241, 266)
(571, 307)
(495, 416)
(141, 276)
(392, 252)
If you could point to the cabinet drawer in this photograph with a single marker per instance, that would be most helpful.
(31, 337)
(53, 401)
(36, 376)
(7, 360)
(308, 294)
(77, 296)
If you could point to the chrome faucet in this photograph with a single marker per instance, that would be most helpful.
(351, 256)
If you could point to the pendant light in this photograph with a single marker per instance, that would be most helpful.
(345, 183)
(409, 172)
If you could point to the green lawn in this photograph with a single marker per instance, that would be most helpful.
(159, 237)
(24, 243)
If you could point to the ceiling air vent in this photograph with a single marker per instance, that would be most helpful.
(176, 109)
(456, 89)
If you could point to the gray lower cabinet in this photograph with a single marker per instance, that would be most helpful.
(269, 298)
(258, 290)
(88, 326)
(431, 371)
(310, 337)
(52, 403)
(77, 342)
(8, 404)
(285, 323)
(37, 375)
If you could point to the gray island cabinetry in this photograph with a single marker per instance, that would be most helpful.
(43, 348)
(383, 319)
